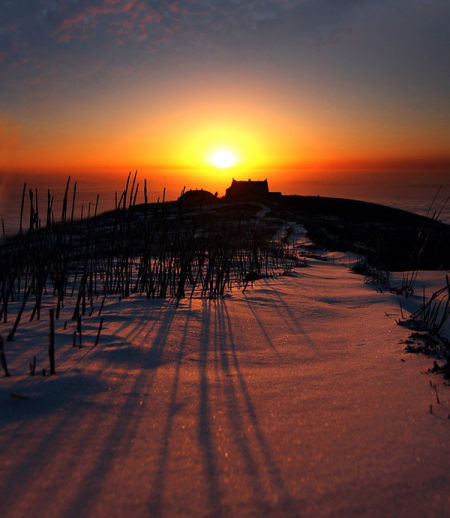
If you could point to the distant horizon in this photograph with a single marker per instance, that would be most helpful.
(284, 174)
(414, 194)
(372, 186)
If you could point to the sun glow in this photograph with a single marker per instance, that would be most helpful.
(223, 158)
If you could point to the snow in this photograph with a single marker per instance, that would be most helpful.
(295, 398)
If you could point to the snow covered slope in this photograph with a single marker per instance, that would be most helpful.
(293, 399)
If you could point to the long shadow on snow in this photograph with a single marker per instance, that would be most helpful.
(261, 326)
(23, 474)
(156, 499)
(129, 356)
(50, 394)
(292, 320)
(47, 394)
(287, 504)
(124, 429)
(235, 416)
(48, 397)
(204, 431)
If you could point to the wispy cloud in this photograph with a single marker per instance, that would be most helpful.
(42, 24)
(88, 18)
(52, 37)
(134, 19)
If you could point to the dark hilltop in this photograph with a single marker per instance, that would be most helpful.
(389, 238)
(385, 237)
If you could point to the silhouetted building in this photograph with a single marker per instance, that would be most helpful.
(198, 197)
(247, 190)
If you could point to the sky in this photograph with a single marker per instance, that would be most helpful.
(107, 86)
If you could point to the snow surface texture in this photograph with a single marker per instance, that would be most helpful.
(295, 398)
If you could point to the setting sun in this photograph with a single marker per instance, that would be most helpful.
(223, 158)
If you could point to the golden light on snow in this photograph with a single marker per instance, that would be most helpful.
(223, 158)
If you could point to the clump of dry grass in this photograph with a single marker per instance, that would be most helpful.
(372, 275)
(428, 322)
(433, 313)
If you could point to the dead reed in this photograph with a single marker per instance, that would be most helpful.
(159, 250)
(433, 313)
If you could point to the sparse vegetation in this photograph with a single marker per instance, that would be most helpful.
(160, 250)
(433, 313)
(428, 322)
(378, 278)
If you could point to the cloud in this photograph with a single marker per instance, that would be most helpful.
(86, 20)
(125, 19)
(42, 24)
(57, 38)
(70, 20)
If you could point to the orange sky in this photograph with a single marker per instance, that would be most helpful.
(290, 88)
(267, 128)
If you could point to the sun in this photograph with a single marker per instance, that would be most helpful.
(223, 158)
